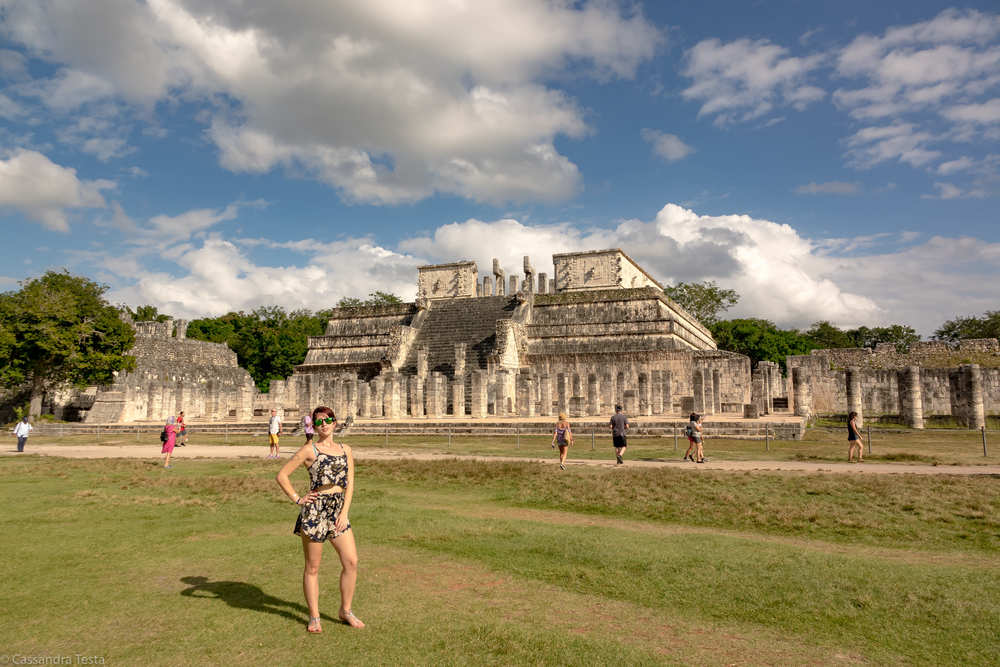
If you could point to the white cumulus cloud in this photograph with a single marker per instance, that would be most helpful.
(386, 101)
(43, 190)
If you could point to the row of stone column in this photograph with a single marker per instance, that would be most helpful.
(209, 400)
(966, 388)
(393, 395)
(513, 284)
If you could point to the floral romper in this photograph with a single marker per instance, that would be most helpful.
(318, 519)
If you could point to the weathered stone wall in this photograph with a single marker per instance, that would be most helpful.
(174, 374)
(447, 281)
(599, 270)
(361, 340)
(880, 372)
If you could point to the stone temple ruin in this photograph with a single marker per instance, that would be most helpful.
(600, 331)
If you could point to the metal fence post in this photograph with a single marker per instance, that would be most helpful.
(983, 431)
(225, 436)
(593, 439)
(767, 442)
(386, 435)
(517, 437)
(674, 428)
(869, 440)
(449, 437)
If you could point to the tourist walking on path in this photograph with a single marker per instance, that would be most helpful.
(168, 444)
(324, 514)
(619, 425)
(21, 431)
(273, 431)
(307, 428)
(563, 437)
(182, 438)
(854, 440)
(694, 452)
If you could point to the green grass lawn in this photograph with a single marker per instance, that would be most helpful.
(938, 447)
(502, 563)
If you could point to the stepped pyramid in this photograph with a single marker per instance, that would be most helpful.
(470, 321)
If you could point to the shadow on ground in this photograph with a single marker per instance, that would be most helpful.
(241, 595)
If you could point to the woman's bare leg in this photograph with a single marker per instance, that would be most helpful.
(690, 448)
(563, 449)
(348, 552)
(313, 553)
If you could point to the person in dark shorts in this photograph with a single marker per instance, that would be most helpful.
(619, 425)
(854, 441)
(181, 428)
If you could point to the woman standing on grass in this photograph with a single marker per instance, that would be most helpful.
(324, 514)
(562, 436)
(168, 444)
(854, 440)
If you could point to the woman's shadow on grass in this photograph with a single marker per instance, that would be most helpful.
(240, 595)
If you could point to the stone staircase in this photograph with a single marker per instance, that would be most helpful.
(471, 321)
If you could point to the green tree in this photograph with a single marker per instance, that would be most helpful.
(58, 330)
(900, 335)
(705, 300)
(375, 298)
(961, 328)
(825, 336)
(759, 339)
(269, 342)
(146, 314)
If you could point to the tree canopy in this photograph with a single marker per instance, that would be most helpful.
(705, 300)
(269, 342)
(824, 335)
(759, 339)
(58, 329)
(961, 328)
(375, 298)
(146, 313)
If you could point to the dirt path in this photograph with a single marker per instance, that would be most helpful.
(258, 451)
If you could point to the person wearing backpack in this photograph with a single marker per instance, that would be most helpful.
(562, 436)
(693, 433)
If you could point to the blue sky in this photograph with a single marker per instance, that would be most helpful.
(836, 161)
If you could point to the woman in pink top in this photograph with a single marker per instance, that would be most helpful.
(168, 444)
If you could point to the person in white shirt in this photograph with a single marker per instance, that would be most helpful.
(273, 431)
(22, 430)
